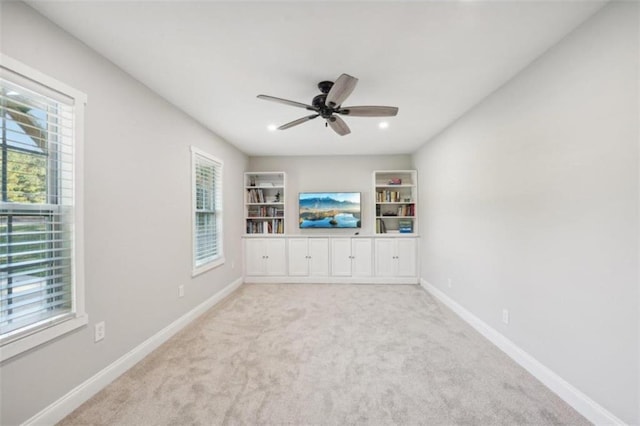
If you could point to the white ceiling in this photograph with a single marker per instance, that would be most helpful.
(434, 60)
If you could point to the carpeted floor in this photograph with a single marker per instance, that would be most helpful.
(326, 355)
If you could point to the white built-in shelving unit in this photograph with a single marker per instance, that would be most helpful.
(264, 203)
(396, 202)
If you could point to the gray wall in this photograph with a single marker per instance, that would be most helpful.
(530, 202)
(138, 214)
(330, 173)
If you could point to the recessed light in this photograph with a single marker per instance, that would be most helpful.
(383, 124)
(272, 127)
(12, 93)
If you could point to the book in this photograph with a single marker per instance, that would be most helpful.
(380, 227)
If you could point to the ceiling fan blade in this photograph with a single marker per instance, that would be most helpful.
(369, 111)
(340, 90)
(286, 102)
(298, 121)
(338, 125)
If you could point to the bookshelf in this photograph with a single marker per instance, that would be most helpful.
(396, 202)
(264, 202)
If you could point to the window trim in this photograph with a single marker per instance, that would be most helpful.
(78, 317)
(220, 260)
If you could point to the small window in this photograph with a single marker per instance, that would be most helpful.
(207, 211)
(41, 289)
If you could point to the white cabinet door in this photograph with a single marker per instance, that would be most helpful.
(361, 257)
(276, 260)
(298, 257)
(341, 257)
(406, 250)
(265, 256)
(385, 257)
(318, 251)
(254, 256)
(308, 257)
(396, 257)
(351, 257)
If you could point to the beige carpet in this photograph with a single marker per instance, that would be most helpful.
(326, 355)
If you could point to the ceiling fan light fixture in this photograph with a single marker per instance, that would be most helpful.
(272, 127)
(328, 104)
(383, 125)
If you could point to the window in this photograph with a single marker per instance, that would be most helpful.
(207, 211)
(41, 290)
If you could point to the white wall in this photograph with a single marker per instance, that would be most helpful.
(330, 173)
(530, 203)
(138, 214)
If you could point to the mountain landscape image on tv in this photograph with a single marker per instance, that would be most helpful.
(329, 209)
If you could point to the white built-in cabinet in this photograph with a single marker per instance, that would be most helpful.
(265, 256)
(351, 257)
(387, 253)
(329, 259)
(309, 257)
(396, 257)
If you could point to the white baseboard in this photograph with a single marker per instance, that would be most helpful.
(328, 280)
(580, 402)
(77, 396)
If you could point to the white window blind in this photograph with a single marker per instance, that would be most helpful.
(207, 207)
(36, 209)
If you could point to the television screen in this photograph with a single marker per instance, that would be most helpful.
(329, 209)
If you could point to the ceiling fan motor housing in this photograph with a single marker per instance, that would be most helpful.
(320, 106)
(318, 101)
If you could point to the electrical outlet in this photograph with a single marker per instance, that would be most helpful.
(505, 316)
(181, 291)
(99, 331)
(449, 283)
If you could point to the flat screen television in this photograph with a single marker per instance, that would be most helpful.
(329, 209)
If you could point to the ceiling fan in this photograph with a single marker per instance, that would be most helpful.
(329, 103)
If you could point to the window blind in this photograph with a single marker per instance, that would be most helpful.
(36, 209)
(207, 209)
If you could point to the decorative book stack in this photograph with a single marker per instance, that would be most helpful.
(405, 226)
